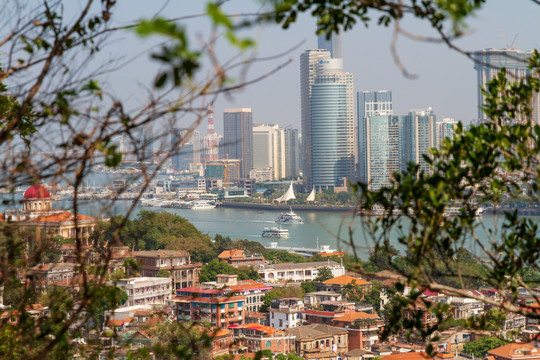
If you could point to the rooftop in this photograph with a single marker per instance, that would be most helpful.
(346, 280)
(161, 253)
(292, 266)
(516, 351)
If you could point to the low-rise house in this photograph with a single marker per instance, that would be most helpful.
(297, 272)
(514, 351)
(259, 337)
(183, 272)
(321, 337)
(328, 311)
(363, 329)
(314, 299)
(285, 312)
(146, 290)
(222, 341)
(48, 273)
(419, 309)
(218, 307)
(357, 354)
(238, 258)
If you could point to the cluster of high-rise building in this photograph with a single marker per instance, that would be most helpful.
(335, 143)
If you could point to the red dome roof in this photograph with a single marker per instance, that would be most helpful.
(36, 192)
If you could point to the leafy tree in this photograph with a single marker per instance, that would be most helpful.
(163, 273)
(481, 346)
(323, 274)
(307, 286)
(210, 271)
(283, 256)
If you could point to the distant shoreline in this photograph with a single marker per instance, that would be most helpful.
(255, 206)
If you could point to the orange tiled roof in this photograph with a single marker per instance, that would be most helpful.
(515, 351)
(359, 315)
(115, 322)
(65, 216)
(227, 254)
(267, 330)
(245, 356)
(219, 333)
(345, 280)
(408, 356)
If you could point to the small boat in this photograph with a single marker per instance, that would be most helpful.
(275, 232)
(289, 217)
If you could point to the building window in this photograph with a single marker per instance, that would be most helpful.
(231, 305)
(280, 323)
(268, 343)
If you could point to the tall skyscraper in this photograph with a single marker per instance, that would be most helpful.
(333, 137)
(270, 149)
(369, 103)
(419, 136)
(238, 137)
(185, 148)
(292, 153)
(309, 61)
(334, 44)
(383, 138)
(445, 129)
(489, 62)
(145, 144)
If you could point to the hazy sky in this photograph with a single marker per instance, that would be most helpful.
(445, 79)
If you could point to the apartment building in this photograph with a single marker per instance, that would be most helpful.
(218, 307)
(183, 272)
(146, 290)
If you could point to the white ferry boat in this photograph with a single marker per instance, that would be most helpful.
(289, 217)
(275, 232)
(203, 205)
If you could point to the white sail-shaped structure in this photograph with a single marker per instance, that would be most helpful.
(311, 196)
(289, 195)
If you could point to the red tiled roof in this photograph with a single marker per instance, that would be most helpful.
(219, 300)
(252, 285)
(197, 290)
(345, 280)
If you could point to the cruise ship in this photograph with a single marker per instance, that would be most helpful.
(289, 217)
(275, 232)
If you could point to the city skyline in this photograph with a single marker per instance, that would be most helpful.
(446, 79)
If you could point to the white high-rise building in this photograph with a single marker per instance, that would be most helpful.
(309, 61)
(269, 151)
(445, 129)
(489, 62)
